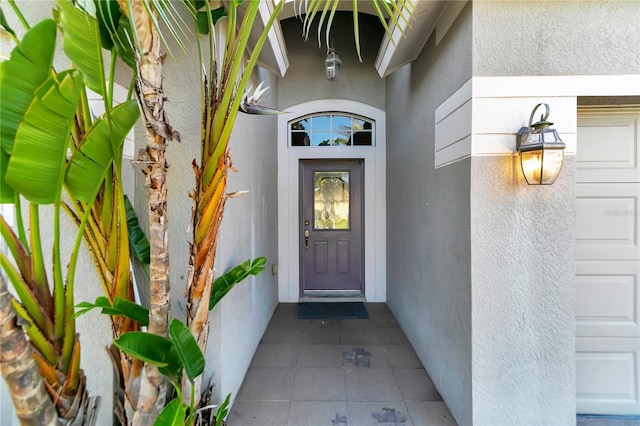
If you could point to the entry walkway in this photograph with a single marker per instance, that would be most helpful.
(337, 372)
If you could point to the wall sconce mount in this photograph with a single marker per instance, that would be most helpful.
(541, 150)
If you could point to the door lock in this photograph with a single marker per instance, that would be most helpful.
(306, 238)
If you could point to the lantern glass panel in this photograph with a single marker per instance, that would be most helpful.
(551, 165)
(531, 162)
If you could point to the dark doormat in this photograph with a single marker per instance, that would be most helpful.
(332, 310)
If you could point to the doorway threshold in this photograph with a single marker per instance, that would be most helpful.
(304, 299)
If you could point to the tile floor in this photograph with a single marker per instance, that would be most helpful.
(337, 372)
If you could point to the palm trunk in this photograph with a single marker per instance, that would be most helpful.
(201, 261)
(19, 369)
(150, 95)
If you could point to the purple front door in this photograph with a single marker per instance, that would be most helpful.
(331, 194)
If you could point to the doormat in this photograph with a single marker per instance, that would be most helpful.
(332, 310)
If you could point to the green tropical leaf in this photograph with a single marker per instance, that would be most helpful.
(223, 410)
(101, 302)
(81, 43)
(123, 43)
(28, 67)
(147, 347)
(223, 284)
(120, 306)
(7, 194)
(187, 348)
(173, 414)
(131, 310)
(93, 158)
(115, 30)
(203, 20)
(36, 166)
(173, 369)
(137, 239)
(108, 14)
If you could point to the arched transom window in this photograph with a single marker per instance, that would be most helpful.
(332, 129)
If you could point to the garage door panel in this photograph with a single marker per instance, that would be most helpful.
(607, 299)
(607, 221)
(607, 379)
(608, 147)
(607, 304)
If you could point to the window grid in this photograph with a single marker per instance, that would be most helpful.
(332, 129)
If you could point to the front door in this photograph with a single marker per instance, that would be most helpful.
(331, 194)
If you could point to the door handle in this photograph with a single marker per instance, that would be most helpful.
(306, 238)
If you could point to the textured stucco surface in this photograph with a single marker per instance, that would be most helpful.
(249, 225)
(428, 239)
(556, 38)
(306, 79)
(523, 264)
(249, 230)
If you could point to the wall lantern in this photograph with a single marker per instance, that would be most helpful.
(332, 65)
(541, 150)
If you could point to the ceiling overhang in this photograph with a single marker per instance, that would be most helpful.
(428, 16)
(273, 55)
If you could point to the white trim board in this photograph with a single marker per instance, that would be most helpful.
(482, 117)
(374, 197)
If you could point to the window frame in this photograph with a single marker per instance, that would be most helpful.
(331, 115)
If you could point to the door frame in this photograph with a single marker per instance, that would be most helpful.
(375, 239)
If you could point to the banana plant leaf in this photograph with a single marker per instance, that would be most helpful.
(7, 194)
(145, 346)
(153, 349)
(137, 239)
(115, 30)
(187, 348)
(108, 14)
(28, 67)
(81, 43)
(93, 159)
(120, 306)
(123, 40)
(37, 163)
(223, 285)
(173, 414)
(203, 20)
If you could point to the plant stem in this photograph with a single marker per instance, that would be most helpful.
(20, 222)
(19, 14)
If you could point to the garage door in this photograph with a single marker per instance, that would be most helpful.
(608, 262)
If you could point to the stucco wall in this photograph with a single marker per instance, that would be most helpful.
(522, 237)
(523, 264)
(306, 79)
(249, 230)
(249, 226)
(428, 218)
(556, 38)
